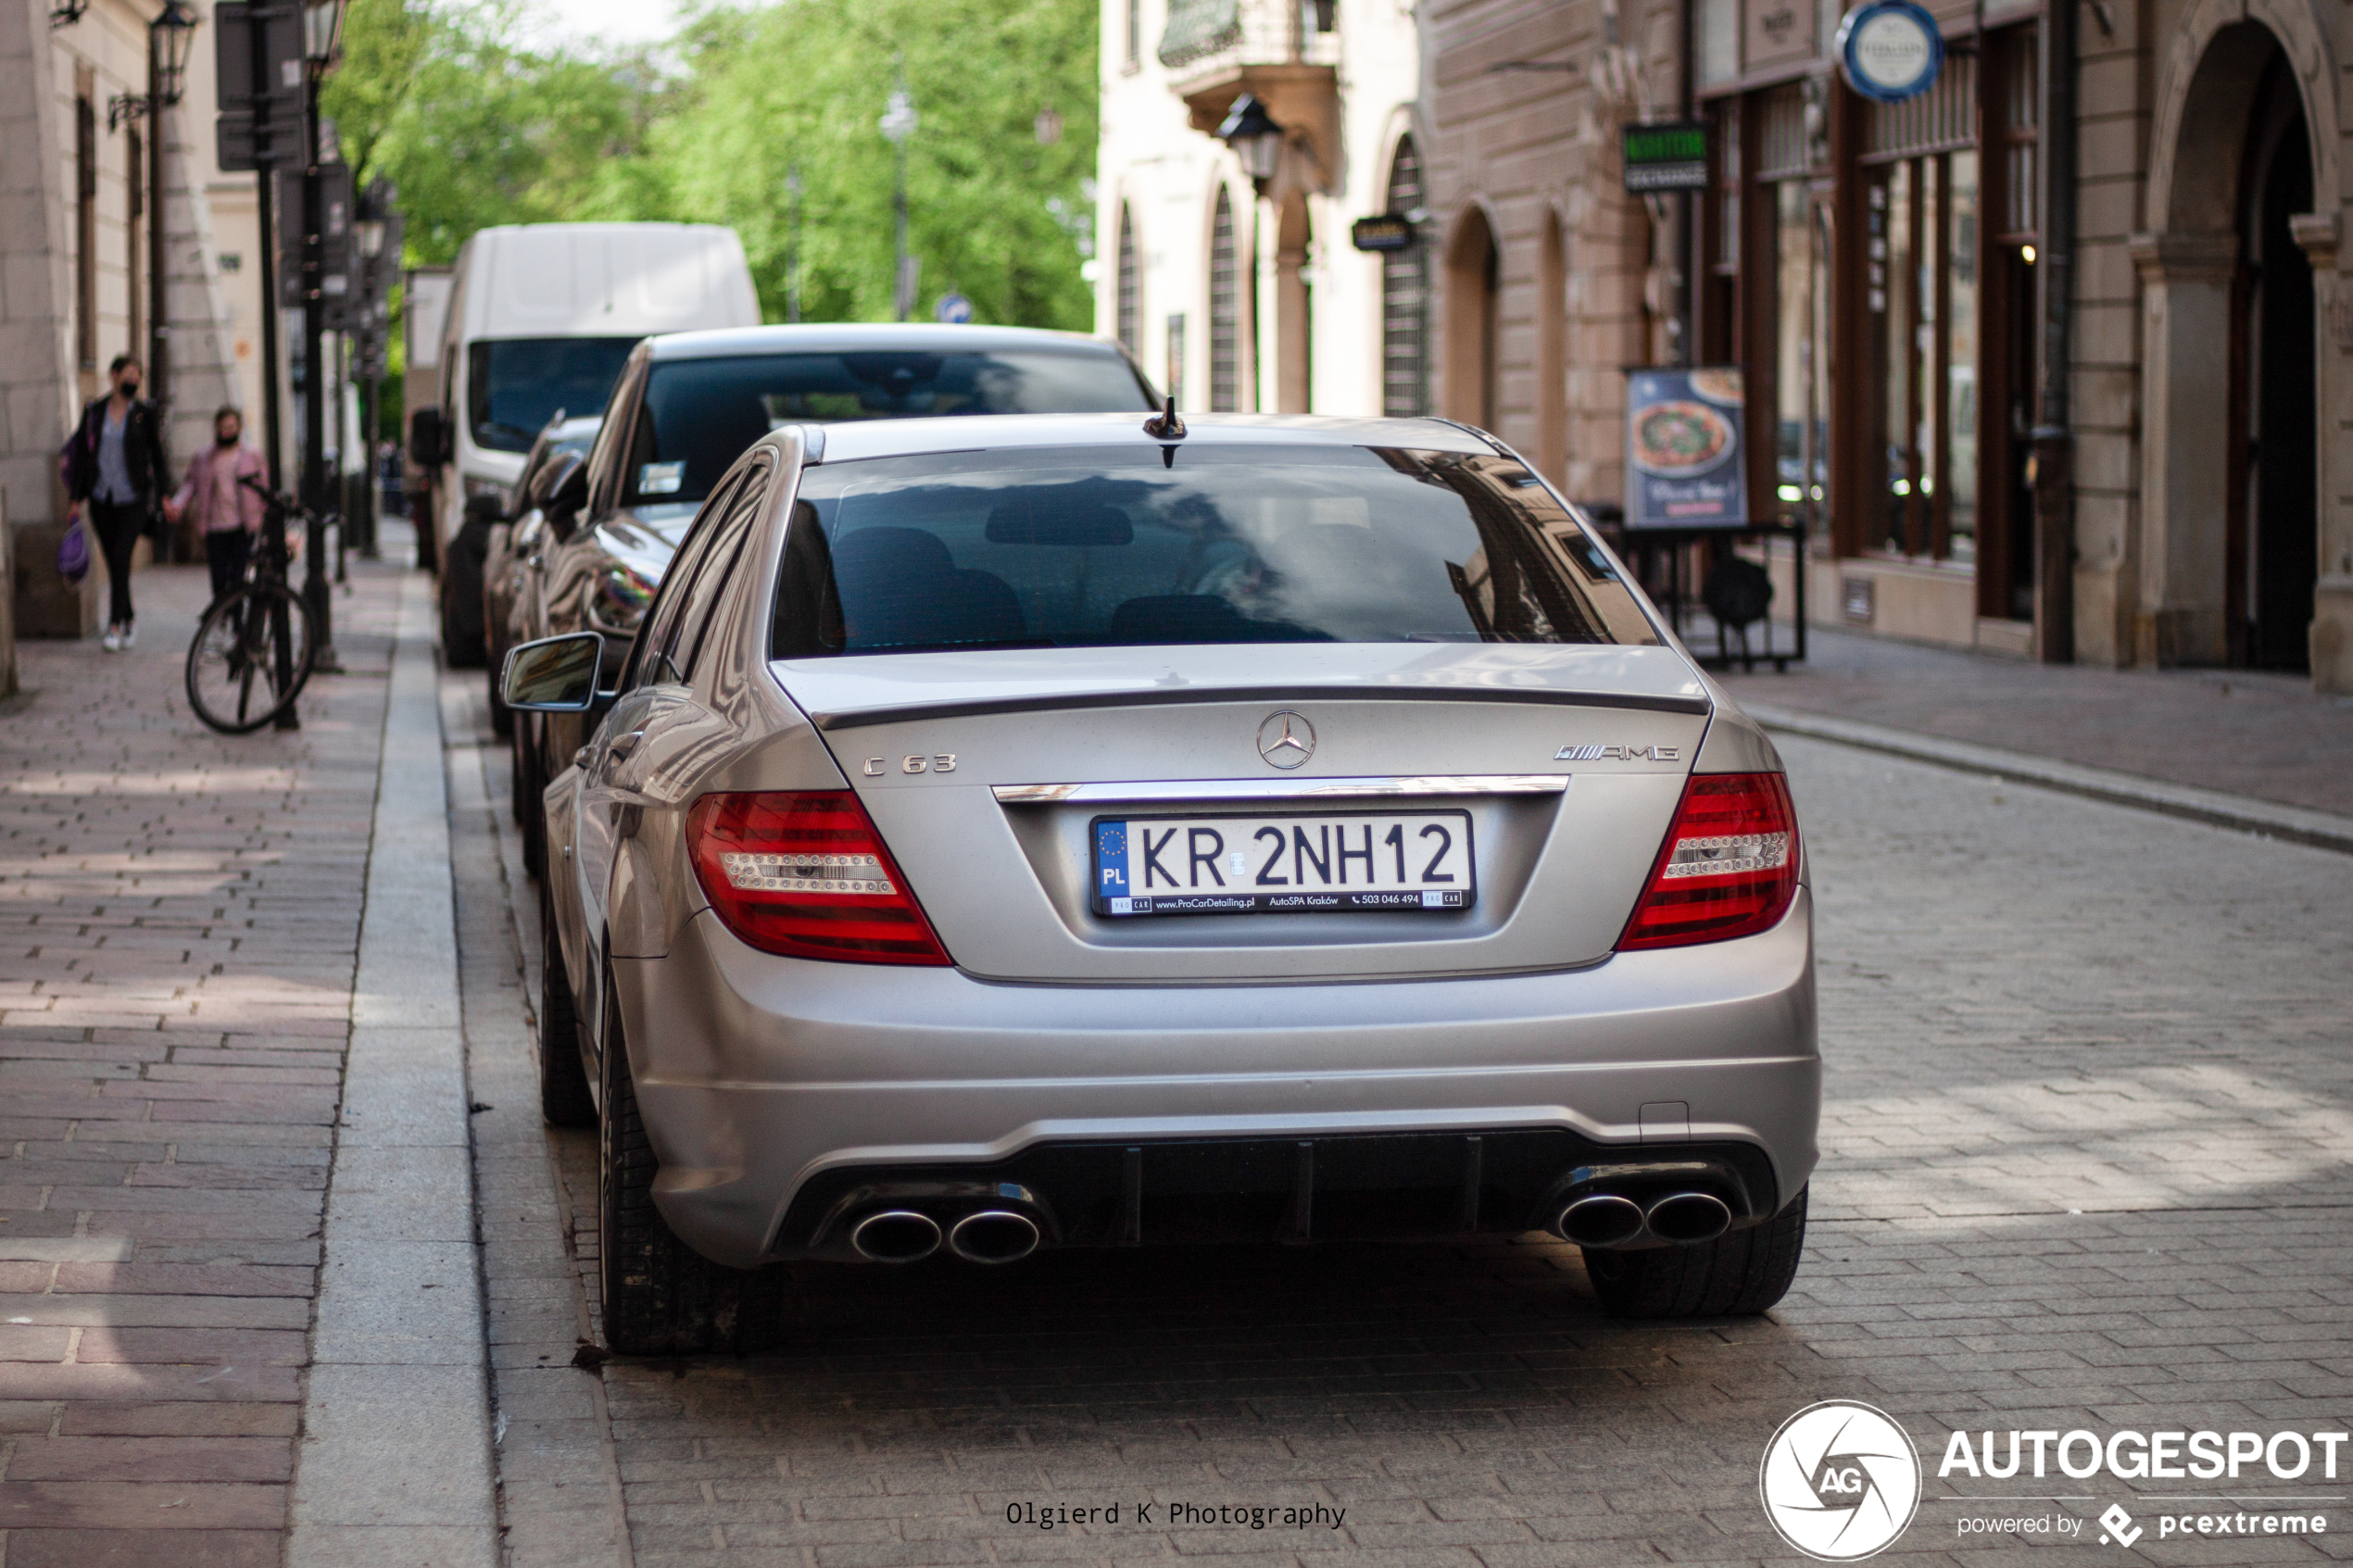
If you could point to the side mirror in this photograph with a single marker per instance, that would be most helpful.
(554, 675)
(428, 438)
(567, 492)
(486, 508)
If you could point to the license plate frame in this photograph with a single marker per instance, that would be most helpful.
(1112, 846)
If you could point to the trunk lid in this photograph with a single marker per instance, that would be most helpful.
(989, 775)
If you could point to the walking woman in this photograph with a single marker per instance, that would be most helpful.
(226, 513)
(116, 468)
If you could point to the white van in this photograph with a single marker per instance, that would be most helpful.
(540, 319)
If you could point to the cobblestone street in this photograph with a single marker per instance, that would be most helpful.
(2086, 1153)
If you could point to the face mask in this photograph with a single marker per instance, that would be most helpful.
(130, 388)
(228, 438)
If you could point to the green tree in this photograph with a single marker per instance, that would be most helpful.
(983, 191)
(474, 128)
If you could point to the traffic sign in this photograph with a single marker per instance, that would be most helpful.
(952, 309)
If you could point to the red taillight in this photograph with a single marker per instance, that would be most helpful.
(803, 872)
(1729, 867)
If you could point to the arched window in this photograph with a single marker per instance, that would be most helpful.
(1225, 311)
(1405, 296)
(1130, 304)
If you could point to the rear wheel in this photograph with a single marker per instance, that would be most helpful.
(564, 1099)
(661, 1297)
(234, 680)
(1739, 1274)
(502, 718)
(462, 630)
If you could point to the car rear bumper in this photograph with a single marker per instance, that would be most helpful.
(778, 1091)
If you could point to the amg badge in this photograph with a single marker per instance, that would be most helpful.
(1617, 754)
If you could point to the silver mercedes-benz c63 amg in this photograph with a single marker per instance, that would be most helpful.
(1089, 830)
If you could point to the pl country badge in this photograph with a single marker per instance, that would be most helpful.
(1839, 1481)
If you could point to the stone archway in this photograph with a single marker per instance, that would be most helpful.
(2193, 263)
(1474, 311)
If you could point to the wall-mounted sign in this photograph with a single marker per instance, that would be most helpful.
(1683, 467)
(1390, 230)
(1672, 157)
(1776, 32)
(1890, 50)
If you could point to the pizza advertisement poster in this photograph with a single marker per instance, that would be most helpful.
(1683, 467)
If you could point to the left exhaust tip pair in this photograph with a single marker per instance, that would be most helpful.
(909, 1236)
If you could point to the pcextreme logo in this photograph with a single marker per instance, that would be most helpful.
(1839, 1481)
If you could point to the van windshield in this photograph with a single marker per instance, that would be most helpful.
(1101, 548)
(515, 386)
(699, 414)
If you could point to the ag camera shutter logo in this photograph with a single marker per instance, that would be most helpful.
(1839, 1481)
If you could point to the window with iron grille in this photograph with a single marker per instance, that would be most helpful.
(1405, 299)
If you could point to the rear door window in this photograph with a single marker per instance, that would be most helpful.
(1101, 547)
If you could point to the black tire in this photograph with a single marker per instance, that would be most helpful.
(1740, 1273)
(531, 809)
(233, 680)
(661, 1297)
(462, 630)
(564, 1099)
(502, 718)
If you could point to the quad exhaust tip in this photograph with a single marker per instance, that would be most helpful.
(1688, 1218)
(1601, 1220)
(1681, 1218)
(993, 1235)
(895, 1236)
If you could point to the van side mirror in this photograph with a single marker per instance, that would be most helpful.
(428, 438)
(555, 674)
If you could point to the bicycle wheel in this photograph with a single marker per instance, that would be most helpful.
(236, 682)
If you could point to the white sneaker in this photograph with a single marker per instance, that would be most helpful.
(112, 640)
(129, 636)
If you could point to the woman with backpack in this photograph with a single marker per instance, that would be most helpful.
(114, 468)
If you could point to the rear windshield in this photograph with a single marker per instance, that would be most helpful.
(515, 386)
(699, 414)
(1101, 547)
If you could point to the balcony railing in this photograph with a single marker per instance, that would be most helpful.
(1204, 37)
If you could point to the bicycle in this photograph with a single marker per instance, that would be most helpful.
(257, 634)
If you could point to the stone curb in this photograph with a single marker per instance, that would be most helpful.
(395, 1463)
(2323, 830)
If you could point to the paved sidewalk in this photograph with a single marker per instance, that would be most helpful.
(2244, 732)
(180, 915)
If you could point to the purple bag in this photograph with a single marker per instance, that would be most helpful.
(73, 552)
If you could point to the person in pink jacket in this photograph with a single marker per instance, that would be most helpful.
(227, 513)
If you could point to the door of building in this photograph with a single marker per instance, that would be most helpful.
(2274, 547)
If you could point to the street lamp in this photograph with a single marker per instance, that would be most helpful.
(321, 37)
(898, 122)
(173, 31)
(1257, 141)
(322, 31)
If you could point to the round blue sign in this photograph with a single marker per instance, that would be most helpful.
(953, 309)
(1891, 50)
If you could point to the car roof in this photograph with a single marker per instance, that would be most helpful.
(898, 438)
(868, 337)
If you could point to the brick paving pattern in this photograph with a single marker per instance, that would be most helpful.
(2241, 731)
(178, 914)
(2086, 1158)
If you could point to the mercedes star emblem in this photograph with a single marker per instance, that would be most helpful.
(1286, 740)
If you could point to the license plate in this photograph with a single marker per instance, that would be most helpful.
(1403, 861)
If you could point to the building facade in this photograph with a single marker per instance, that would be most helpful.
(1238, 295)
(1550, 279)
(78, 164)
(1883, 275)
